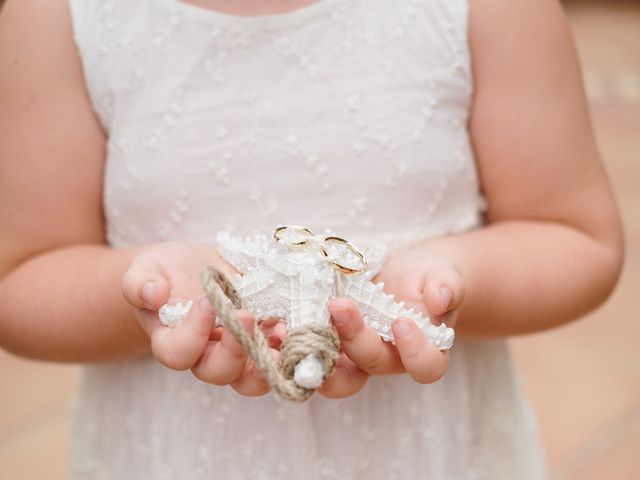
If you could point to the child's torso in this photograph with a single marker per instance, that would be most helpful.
(346, 114)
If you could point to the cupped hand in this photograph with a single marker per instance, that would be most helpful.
(170, 273)
(426, 282)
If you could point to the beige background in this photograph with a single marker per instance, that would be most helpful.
(583, 379)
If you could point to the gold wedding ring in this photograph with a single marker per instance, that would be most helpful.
(352, 248)
(279, 236)
(302, 231)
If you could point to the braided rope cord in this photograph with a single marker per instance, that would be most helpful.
(321, 341)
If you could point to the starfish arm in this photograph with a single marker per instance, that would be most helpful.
(308, 297)
(295, 288)
(260, 293)
(379, 310)
(242, 252)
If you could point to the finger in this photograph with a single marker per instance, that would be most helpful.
(361, 343)
(443, 291)
(276, 335)
(144, 285)
(223, 362)
(180, 348)
(252, 383)
(269, 323)
(216, 334)
(347, 379)
(421, 359)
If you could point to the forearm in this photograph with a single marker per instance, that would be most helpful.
(66, 305)
(522, 277)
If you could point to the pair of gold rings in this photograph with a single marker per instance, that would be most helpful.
(304, 237)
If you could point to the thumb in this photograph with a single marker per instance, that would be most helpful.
(443, 291)
(145, 286)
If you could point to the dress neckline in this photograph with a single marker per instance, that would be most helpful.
(270, 20)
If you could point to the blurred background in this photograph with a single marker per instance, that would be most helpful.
(583, 380)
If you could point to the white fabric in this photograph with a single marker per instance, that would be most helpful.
(346, 114)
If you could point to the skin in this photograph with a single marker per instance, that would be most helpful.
(551, 250)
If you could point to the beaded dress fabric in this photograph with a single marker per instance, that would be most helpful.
(344, 114)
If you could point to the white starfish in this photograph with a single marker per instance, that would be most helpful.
(296, 283)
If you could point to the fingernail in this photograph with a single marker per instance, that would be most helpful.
(446, 295)
(149, 293)
(205, 306)
(341, 316)
(401, 328)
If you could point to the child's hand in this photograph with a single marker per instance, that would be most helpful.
(170, 273)
(428, 283)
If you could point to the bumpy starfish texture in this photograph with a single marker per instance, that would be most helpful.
(172, 315)
(297, 283)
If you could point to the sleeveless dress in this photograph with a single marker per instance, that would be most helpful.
(344, 114)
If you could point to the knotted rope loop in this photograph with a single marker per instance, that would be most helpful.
(318, 340)
(312, 340)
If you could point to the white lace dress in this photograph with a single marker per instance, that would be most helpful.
(347, 114)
